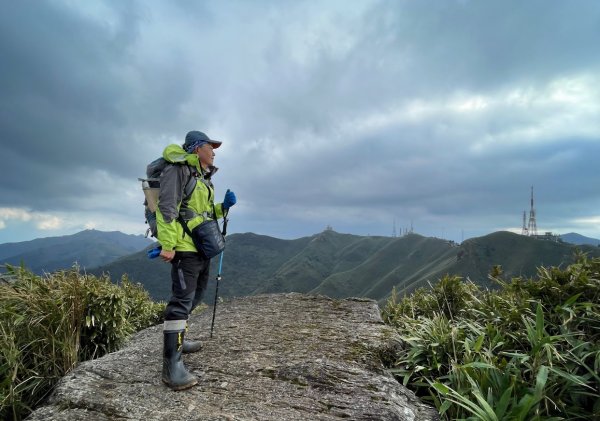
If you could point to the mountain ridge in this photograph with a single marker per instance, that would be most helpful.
(578, 239)
(328, 263)
(86, 248)
(344, 265)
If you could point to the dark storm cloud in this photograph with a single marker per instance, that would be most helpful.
(73, 100)
(483, 45)
(60, 102)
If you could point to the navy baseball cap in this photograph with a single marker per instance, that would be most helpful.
(195, 138)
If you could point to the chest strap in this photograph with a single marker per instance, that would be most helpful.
(188, 214)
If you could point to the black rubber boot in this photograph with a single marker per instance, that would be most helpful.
(174, 374)
(191, 346)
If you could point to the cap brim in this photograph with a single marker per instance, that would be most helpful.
(215, 143)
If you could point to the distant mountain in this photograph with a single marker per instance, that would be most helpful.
(87, 248)
(248, 260)
(518, 255)
(344, 265)
(579, 239)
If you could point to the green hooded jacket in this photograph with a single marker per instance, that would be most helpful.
(200, 205)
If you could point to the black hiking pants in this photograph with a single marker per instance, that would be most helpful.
(189, 277)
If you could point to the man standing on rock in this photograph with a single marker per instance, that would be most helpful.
(191, 163)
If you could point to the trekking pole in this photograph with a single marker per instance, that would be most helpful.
(212, 325)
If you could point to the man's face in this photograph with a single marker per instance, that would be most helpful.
(206, 155)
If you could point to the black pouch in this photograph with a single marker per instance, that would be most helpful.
(208, 239)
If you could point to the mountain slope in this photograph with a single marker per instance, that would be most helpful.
(343, 265)
(306, 270)
(87, 248)
(248, 260)
(518, 255)
(390, 266)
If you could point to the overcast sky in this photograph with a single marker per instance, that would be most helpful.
(353, 114)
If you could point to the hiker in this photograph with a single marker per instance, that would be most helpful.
(189, 267)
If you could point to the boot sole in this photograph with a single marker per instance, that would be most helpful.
(181, 386)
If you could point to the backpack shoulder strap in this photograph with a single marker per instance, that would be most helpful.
(190, 184)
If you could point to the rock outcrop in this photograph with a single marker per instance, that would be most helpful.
(272, 357)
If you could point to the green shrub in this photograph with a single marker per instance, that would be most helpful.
(48, 324)
(112, 313)
(527, 351)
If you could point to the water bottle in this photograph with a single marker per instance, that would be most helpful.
(155, 252)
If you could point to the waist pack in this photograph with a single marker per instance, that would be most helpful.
(207, 237)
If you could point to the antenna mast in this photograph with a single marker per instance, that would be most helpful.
(532, 227)
(524, 230)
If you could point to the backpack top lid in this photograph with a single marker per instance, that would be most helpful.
(154, 170)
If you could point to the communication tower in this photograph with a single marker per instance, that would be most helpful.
(524, 230)
(532, 226)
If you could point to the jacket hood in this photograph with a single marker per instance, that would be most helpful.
(175, 154)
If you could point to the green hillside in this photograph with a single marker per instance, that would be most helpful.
(306, 270)
(248, 260)
(344, 265)
(517, 254)
(401, 261)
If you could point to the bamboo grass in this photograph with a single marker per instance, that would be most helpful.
(48, 324)
(527, 351)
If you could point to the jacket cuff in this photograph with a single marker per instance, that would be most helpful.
(219, 211)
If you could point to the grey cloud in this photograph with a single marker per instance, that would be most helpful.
(73, 100)
(57, 72)
(479, 45)
(441, 181)
(403, 50)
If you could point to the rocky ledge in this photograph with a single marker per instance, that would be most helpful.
(272, 357)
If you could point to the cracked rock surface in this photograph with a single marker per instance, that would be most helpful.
(272, 357)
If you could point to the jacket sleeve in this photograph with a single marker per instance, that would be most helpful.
(169, 200)
(219, 211)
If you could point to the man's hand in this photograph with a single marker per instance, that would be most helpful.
(167, 256)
